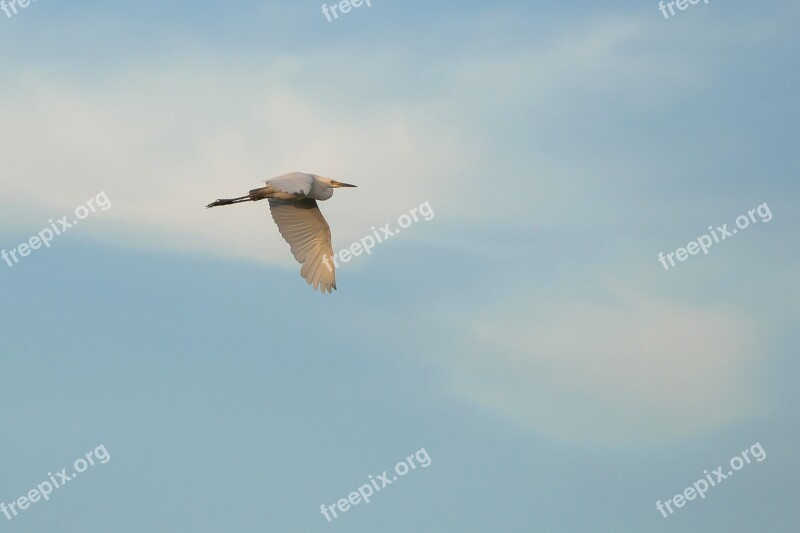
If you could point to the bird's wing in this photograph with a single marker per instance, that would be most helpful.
(309, 236)
(295, 184)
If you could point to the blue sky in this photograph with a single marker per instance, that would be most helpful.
(527, 337)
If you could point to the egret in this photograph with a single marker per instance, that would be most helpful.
(293, 204)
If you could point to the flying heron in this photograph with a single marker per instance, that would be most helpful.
(293, 204)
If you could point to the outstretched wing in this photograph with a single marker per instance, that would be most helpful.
(309, 236)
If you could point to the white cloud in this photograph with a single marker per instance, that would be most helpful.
(164, 141)
(162, 144)
(627, 371)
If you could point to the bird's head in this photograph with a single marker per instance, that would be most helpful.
(333, 184)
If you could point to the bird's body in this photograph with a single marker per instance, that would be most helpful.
(293, 204)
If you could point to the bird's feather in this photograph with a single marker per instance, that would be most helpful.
(289, 186)
(302, 226)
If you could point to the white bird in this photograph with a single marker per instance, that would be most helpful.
(293, 203)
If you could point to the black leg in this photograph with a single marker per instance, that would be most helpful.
(229, 201)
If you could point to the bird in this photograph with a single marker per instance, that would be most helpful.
(293, 203)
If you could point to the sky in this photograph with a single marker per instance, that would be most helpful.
(526, 345)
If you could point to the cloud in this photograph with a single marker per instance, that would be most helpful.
(164, 140)
(630, 369)
(163, 143)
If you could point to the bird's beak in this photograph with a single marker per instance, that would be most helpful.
(340, 184)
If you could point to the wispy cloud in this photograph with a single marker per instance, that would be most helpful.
(623, 370)
(158, 142)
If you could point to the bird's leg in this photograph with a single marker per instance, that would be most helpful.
(230, 201)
